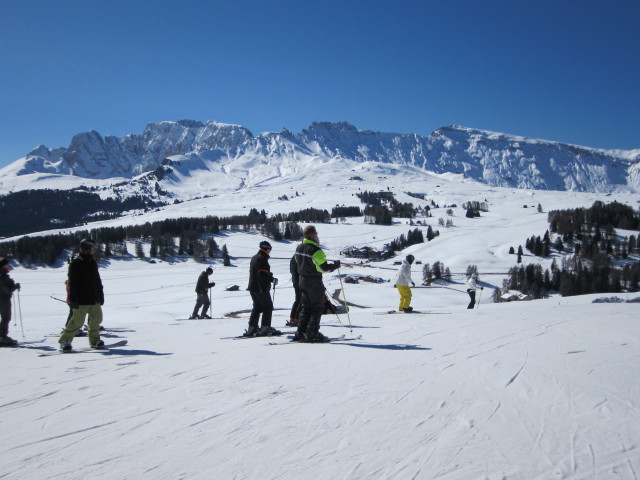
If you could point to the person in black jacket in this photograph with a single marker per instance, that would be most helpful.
(202, 287)
(7, 287)
(312, 264)
(86, 296)
(260, 280)
(295, 308)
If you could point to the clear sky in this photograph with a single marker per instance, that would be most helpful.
(565, 70)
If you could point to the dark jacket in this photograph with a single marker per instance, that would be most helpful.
(260, 276)
(7, 285)
(203, 283)
(311, 260)
(85, 285)
(293, 268)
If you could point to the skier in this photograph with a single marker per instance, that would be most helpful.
(260, 280)
(311, 265)
(472, 286)
(7, 287)
(403, 279)
(295, 308)
(202, 287)
(86, 296)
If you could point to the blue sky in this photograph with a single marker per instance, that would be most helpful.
(560, 70)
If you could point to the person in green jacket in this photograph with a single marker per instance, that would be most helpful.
(312, 264)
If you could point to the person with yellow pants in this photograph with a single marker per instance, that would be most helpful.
(403, 280)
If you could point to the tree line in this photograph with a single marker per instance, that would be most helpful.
(36, 210)
(189, 236)
(596, 258)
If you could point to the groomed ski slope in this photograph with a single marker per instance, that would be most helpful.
(529, 390)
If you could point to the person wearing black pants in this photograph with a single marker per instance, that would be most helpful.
(295, 279)
(7, 287)
(311, 265)
(260, 280)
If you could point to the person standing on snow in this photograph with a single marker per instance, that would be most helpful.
(202, 288)
(403, 279)
(260, 280)
(472, 286)
(311, 264)
(295, 308)
(86, 297)
(7, 287)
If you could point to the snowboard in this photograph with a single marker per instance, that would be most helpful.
(107, 346)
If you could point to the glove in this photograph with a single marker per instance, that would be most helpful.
(336, 264)
(275, 281)
(212, 284)
(17, 286)
(413, 284)
(481, 288)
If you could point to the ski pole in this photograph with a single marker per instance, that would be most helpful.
(478, 306)
(274, 294)
(344, 296)
(51, 296)
(20, 313)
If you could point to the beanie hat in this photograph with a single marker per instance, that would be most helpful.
(410, 258)
(209, 270)
(3, 261)
(265, 245)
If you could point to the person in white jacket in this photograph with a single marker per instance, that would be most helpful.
(403, 280)
(472, 286)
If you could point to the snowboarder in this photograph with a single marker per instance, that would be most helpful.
(403, 279)
(260, 280)
(311, 265)
(295, 308)
(472, 286)
(7, 287)
(86, 296)
(202, 287)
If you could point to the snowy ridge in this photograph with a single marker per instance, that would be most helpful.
(232, 155)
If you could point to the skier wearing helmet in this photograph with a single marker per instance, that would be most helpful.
(403, 280)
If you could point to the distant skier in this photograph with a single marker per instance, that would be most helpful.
(86, 296)
(312, 264)
(472, 286)
(7, 287)
(202, 288)
(260, 280)
(403, 280)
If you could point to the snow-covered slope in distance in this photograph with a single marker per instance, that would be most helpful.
(195, 158)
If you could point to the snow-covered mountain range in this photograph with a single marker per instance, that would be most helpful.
(196, 158)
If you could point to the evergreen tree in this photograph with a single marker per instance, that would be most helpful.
(226, 260)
